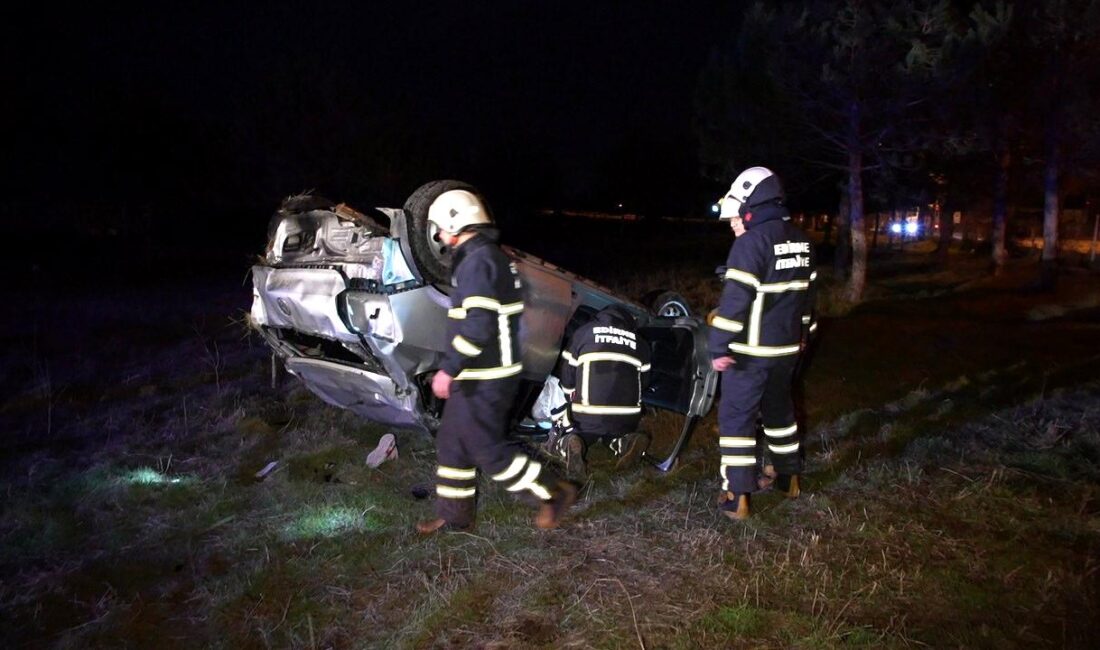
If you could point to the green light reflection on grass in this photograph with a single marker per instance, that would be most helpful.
(150, 476)
(329, 521)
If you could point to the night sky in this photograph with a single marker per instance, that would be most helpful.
(231, 106)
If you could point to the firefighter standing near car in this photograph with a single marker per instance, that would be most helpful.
(760, 328)
(479, 376)
(604, 370)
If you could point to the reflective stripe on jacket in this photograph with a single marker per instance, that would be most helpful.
(767, 295)
(483, 322)
(606, 366)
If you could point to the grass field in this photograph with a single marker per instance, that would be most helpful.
(952, 496)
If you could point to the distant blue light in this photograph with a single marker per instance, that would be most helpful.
(911, 228)
(715, 208)
(895, 228)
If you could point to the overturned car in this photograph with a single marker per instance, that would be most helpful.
(355, 304)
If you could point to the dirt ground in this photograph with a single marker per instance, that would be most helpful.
(952, 494)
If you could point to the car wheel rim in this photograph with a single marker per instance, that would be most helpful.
(673, 310)
(439, 250)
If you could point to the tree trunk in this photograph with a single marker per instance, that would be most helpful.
(1049, 260)
(857, 281)
(842, 259)
(1000, 207)
(947, 231)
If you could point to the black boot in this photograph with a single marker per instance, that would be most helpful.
(788, 485)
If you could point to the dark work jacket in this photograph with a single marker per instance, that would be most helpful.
(766, 306)
(483, 322)
(606, 365)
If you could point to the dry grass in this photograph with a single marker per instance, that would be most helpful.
(954, 506)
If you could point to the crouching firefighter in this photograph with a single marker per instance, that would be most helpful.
(479, 376)
(604, 369)
(756, 336)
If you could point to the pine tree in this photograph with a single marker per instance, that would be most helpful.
(847, 84)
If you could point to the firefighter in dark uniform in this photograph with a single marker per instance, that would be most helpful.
(604, 370)
(479, 376)
(760, 327)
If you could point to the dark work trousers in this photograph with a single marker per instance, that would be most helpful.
(747, 393)
(471, 437)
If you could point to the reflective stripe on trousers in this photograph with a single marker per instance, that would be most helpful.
(746, 395)
(472, 435)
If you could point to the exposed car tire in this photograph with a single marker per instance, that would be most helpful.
(667, 304)
(432, 258)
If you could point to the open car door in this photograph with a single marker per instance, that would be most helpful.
(681, 378)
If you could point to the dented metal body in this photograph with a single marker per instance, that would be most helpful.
(341, 302)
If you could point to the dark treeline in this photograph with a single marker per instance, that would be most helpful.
(884, 104)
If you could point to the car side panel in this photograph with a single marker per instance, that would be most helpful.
(409, 328)
(365, 393)
(547, 306)
(299, 299)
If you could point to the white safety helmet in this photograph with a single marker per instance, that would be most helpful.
(454, 210)
(752, 187)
